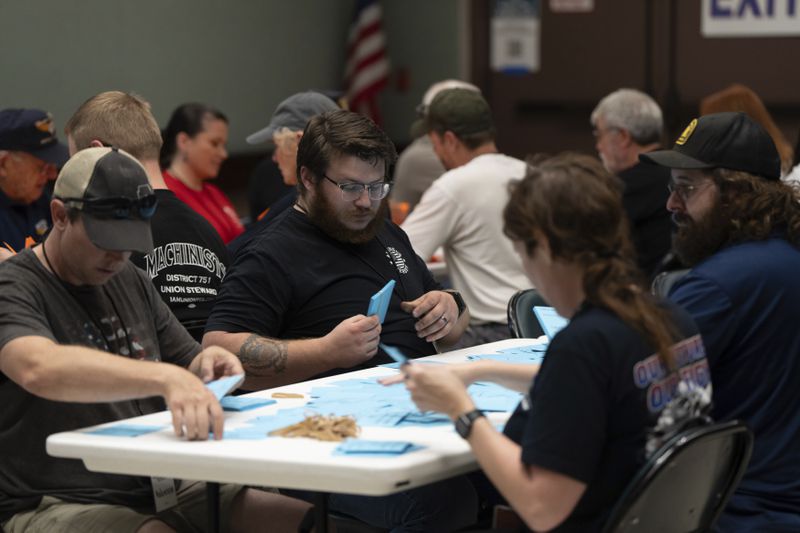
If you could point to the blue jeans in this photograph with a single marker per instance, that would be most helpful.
(443, 506)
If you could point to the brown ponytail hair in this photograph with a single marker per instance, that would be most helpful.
(573, 201)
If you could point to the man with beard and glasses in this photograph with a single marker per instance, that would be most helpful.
(293, 304)
(739, 228)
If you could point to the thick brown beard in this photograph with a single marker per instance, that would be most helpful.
(696, 240)
(322, 215)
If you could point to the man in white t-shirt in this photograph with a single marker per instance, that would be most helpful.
(462, 212)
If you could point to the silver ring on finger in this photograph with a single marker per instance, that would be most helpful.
(443, 319)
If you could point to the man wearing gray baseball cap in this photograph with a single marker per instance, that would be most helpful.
(84, 338)
(738, 227)
(284, 131)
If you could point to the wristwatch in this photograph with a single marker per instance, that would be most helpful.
(464, 422)
(459, 300)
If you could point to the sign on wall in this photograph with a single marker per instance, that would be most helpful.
(515, 36)
(571, 6)
(750, 18)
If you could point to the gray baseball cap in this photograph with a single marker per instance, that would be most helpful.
(294, 113)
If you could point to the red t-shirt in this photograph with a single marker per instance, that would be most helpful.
(211, 203)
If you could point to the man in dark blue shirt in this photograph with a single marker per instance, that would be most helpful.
(739, 228)
(30, 156)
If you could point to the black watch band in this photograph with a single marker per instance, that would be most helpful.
(459, 300)
(464, 422)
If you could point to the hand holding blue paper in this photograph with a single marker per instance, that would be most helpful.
(222, 386)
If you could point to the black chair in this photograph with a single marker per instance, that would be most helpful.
(686, 484)
(521, 321)
(663, 283)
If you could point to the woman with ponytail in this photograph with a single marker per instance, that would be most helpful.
(582, 430)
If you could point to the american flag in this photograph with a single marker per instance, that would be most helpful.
(367, 67)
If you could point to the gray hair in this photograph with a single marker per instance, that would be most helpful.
(631, 110)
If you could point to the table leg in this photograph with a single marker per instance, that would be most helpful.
(321, 512)
(212, 500)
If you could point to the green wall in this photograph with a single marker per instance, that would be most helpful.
(242, 56)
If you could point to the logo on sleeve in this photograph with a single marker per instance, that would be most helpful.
(397, 259)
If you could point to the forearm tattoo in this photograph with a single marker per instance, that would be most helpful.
(264, 357)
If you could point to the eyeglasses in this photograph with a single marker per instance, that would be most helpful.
(353, 191)
(120, 208)
(685, 190)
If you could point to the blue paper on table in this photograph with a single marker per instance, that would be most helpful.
(394, 353)
(379, 303)
(222, 386)
(374, 447)
(240, 403)
(125, 430)
(550, 321)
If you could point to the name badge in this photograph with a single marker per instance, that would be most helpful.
(164, 493)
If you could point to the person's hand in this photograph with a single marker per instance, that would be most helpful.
(437, 388)
(466, 372)
(195, 410)
(353, 341)
(215, 362)
(436, 313)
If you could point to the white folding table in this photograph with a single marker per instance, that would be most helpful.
(292, 463)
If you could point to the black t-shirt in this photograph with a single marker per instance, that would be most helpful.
(256, 228)
(187, 263)
(125, 317)
(645, 203)
(598, 392)
(294, 281)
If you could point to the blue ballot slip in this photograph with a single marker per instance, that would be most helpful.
(379, 303)
(222, 386)
(125, 430)
(394, 353)
(374, 447)
(550, 320)
(241, 403)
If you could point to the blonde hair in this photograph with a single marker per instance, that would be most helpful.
(118, 119)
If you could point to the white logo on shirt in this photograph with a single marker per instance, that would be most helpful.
(396, 258)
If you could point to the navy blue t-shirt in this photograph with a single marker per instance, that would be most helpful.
(293, 281)
(745, 300)
(18, 221)
(598, 392)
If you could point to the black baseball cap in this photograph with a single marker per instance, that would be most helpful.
(722, 140)
(112, 191)
(32, 131)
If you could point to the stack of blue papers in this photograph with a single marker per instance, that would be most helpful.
(550, 320)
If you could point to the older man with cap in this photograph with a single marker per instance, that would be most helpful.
(84, 338)
(462, 212)
(739, 230)
(284, 130)
(30, 155)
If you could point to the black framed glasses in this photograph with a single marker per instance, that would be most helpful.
(120, 207)
(351, 192)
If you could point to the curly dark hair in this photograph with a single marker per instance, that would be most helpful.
(757, 208)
